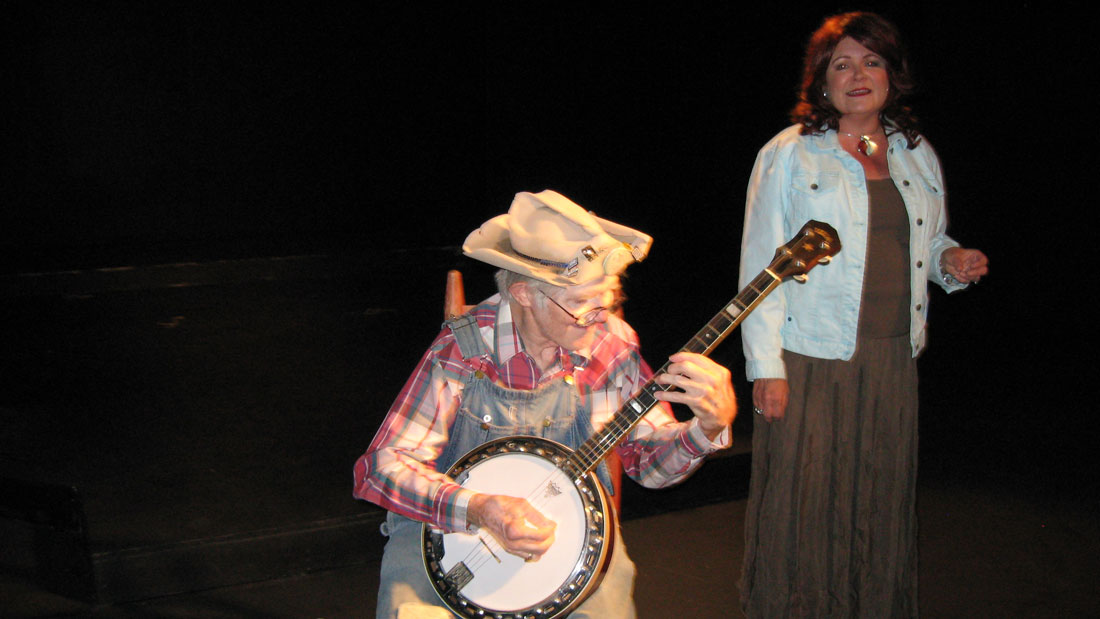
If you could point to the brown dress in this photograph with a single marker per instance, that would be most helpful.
(830, 528)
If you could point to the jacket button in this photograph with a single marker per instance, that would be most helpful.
(906, 183)
(920, 222)
(546, 423)
(813, 186)
(919, 306)
(920, 263)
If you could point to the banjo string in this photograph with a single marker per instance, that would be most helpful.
(539, 497)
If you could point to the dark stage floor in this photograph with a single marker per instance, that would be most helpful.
(984, 553)
(208, 415)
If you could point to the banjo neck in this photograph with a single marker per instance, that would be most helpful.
(816, 242)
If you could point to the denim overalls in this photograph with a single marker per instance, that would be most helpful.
(487, 411)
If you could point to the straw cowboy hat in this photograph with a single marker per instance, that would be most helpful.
(548, 237)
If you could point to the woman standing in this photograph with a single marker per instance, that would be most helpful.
(831, 524)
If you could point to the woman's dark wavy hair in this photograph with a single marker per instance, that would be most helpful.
(814, 111)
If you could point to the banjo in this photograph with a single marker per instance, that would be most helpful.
(472, 573)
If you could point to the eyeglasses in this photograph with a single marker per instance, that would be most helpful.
(589, 318)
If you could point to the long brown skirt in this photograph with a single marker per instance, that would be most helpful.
(831, 528)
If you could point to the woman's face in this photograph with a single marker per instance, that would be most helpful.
(856, 81)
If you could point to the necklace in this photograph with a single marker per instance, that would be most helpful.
(866, 146)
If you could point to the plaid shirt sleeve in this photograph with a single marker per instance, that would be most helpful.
(660, 451)
(398, 470)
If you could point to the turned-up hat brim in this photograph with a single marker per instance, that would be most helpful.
(548, 237)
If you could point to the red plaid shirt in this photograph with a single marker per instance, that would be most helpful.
(398, 470)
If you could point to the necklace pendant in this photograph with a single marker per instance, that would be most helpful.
(866, 146)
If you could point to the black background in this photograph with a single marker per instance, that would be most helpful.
(147, 133)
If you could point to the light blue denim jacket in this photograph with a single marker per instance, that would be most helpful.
(797, 178)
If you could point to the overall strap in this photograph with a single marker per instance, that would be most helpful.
(468, 336)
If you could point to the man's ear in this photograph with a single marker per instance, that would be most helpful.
(523, 293)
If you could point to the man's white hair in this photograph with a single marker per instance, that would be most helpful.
(505, 280)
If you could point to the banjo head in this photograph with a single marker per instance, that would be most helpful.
(476, 578)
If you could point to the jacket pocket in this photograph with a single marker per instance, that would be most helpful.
(933, 189)
(813, 194)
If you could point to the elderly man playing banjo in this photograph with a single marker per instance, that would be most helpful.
(547, 357)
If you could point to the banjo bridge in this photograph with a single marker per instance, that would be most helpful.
(552, 490)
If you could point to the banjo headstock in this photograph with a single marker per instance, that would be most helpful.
(815, 243)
